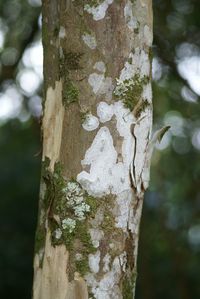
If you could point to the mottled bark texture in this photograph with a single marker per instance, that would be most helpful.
(96, 130)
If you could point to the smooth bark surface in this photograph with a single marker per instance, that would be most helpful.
(96, 151)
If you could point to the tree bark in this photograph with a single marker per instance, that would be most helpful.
(96, 128)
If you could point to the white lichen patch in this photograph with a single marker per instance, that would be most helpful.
(81, 209)
(96, 235)
(101, 85)
(144, 63)
(75, 200)
(122, 87)
(62, 32)
(100, 66)
(104, 112)
(148, 36)
(90, 123)
(58, 233)
(89, 40)
(101, 157)
(108, 286)
(106, 262)
(147, 92)
(106, 174)
(130, 67)
(78, 256)
(69, 224)
(123, 261)
(95, 80)
(122, 209)
(131, 21)
(94, 260)
(137, 63)
(98, 12)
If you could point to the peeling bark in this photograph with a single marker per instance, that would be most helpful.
(96, 147)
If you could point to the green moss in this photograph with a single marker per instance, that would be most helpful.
(108, 223)
(130, 90)
(70, 94)
(82, 266)
(69, 61)
(59, 206)
(128, 286)
(59, 209)
(78, 241)
(93, 203)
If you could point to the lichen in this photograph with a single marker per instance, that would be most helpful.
(90, 123)
(68, 208)
(130, 90)
(97, 8)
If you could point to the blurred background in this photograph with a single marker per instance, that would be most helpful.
(169, 250)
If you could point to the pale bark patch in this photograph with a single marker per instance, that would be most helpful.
(52, 123)
(77, 288)
(51, 280)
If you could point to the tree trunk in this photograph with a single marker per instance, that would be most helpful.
(96, 127)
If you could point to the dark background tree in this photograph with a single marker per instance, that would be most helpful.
(169, 251)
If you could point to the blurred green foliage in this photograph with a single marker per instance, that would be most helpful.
(169, 251)
(19, 180)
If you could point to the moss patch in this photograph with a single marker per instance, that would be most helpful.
(69, 61)
(68, 208)
(70, 93)
(129, 285)
(69, 211)
(130, 90)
